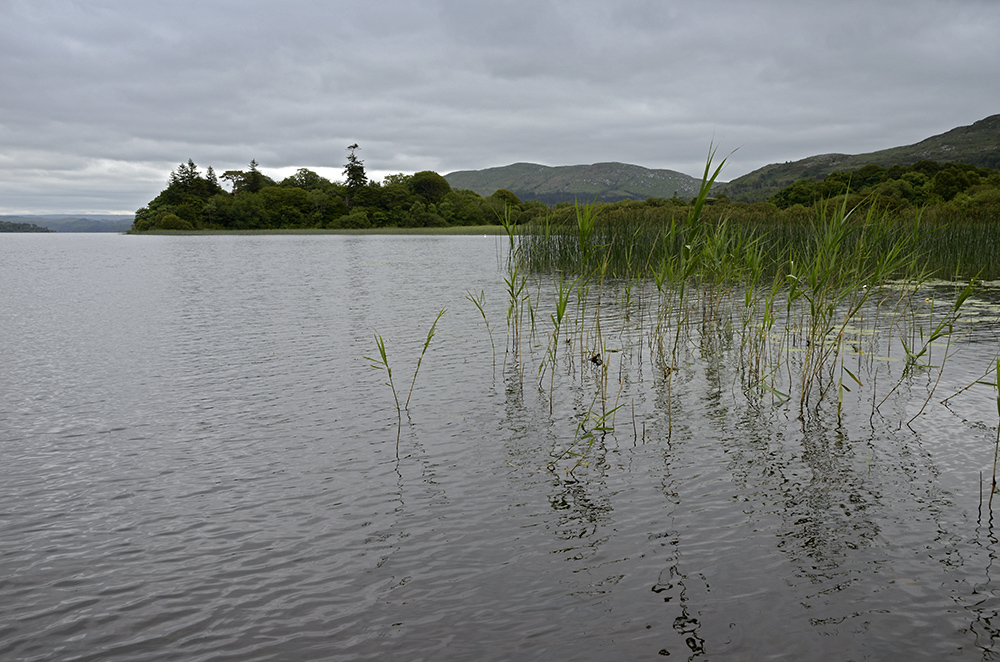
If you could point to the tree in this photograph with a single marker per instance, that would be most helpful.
(803, 192)
(247, 182)
(505, 197)
(399, 178)
(430, 185)
(186, 174)
(256, 179)
(354, 171)
(305, 179)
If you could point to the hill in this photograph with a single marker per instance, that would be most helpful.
(977, 144)
(605, 182)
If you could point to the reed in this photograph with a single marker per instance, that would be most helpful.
(941, 247)
(382, 363)
(802, 279)
(996, 445)
(480, 303)
(427, 343)
(583, 439)
(586, 218)
(562, 293)
(802, 300)
(516, 281)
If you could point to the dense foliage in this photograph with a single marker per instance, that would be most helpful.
(941, 193)
(978, 145)
(193, 201)
(938, 193)
(921, 184)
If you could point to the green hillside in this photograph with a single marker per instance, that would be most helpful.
(605, 182)
(977, 144)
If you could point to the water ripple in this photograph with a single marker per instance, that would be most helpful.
(196, 463)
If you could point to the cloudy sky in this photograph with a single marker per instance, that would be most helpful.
(101, 99)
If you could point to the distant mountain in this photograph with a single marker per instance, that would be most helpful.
(77, 223)
(605, 182)
(977, 144)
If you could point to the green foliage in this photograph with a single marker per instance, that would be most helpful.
(354, 173)
(186, 194)
(170, 221)
(462, 208)
(960, 238)
(978, 145)
(431, 186)
(964, 198)
(505, 197)
(251, 181)
(307, 180)
(381, 362)
(356, 220)
(307, 200)
(923, 183)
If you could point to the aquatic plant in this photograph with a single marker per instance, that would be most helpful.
(586, 217)
(561, 301)
(430, 335)
(804, 304)
(583, 439)
(515, 280)
(382, 363)
(996, 446)
(480, 303)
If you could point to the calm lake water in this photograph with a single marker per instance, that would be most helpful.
(197, 463)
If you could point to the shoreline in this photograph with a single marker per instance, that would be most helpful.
(457, 230)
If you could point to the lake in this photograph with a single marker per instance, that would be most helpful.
(197, 462)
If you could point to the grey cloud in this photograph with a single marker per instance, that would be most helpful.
(454, 84)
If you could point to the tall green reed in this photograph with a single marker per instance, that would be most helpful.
(562, 295)
(480, 303)
(801, 295)
(382, 363)
(996, 446)
(430, 336)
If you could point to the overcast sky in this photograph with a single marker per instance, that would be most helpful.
(101, 99)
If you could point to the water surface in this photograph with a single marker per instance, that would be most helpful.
(196, 462)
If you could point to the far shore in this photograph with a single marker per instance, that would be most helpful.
(455, 230)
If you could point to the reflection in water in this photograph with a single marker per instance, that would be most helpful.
(198, 465)
(580, 517)
(983, 603)
(672, 586)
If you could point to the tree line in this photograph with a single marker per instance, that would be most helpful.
(254, 201)
(922, 184)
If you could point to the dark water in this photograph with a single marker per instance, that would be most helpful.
(196, 463)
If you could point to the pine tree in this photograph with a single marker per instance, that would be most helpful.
(354, 171)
